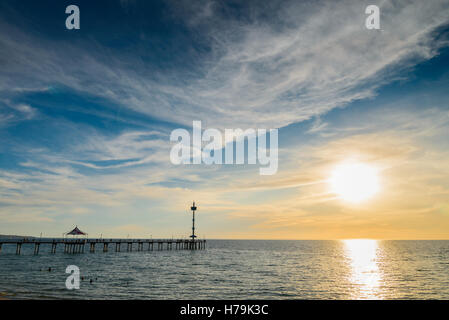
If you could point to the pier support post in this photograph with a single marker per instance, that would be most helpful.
(105, 247)
(92, 247)
(1, 247)
(36, 248)
(18, 248)
(117, 247)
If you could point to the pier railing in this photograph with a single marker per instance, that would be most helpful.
(79, 245)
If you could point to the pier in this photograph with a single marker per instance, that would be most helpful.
(104, 245)
(78, 245)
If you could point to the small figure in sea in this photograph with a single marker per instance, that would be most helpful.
(90, 281)
(49, 269)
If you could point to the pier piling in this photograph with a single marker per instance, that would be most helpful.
(18, 248)
(36, 248)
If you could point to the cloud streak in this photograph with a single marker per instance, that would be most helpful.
(302, 62)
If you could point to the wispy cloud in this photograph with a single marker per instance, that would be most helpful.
(303, 61)
(11, 113)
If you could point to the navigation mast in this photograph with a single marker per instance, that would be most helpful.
(193, 208)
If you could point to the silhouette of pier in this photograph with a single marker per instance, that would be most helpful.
(104, 245)
(77, 245)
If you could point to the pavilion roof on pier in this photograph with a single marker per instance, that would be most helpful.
(76, 232)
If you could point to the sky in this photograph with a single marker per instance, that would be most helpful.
(86, 117)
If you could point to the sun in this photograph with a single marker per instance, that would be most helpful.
(354, 181)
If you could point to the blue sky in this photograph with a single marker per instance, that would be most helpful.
(86, 115)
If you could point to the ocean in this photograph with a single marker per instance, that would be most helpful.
(237, 269)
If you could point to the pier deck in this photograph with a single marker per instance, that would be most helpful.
(79, 245)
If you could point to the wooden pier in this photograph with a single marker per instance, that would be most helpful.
(79, 245)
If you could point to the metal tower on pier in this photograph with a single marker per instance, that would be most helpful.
(193, 208)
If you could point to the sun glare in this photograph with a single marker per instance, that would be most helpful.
(362, 256)
(354, 182)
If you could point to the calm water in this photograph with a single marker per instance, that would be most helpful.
(234, 269)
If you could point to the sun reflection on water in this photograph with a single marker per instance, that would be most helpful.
(365, 275)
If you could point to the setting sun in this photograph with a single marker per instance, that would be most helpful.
(354, 182)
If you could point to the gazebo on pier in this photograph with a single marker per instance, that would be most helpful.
(73, 246)
(75, 232)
